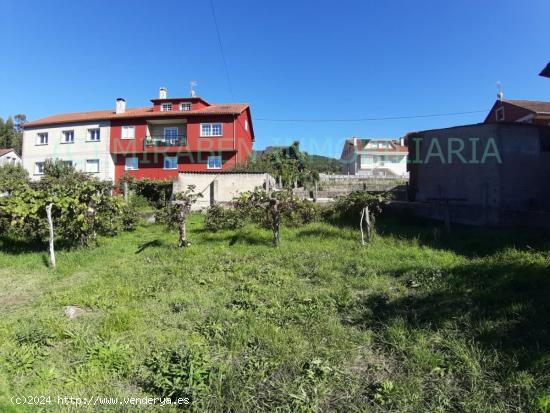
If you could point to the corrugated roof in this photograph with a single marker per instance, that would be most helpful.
(101, 115)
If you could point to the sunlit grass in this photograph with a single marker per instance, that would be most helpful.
(415, 321)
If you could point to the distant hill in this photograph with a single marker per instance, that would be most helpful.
(325, 164)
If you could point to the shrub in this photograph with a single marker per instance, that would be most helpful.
(175, 373)
(156, 192)
(348, 207)
(218, 218)
(129, 218)
(12, 177)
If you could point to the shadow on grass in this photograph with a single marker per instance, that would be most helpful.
(244, 236)
(15, 246)
(463, 240)
(149, 244)
(501, 304)
(328, 232)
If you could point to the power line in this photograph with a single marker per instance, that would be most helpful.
(433, 115)
(221, 49)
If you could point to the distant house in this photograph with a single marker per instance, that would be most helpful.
(525, 111)
(9, 156)
(374, 157)
(492, 173)
(546, 71)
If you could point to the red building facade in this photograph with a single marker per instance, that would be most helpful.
(180, 135)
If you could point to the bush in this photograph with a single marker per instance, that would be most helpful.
(129, 218)
(82, 207)
(12, 177)
(156, 192)
(348, 207)
(179, 373)
(218, 218)
(302, 213)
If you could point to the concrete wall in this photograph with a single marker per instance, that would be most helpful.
(221, 187)
(77, 152)
(481, 190)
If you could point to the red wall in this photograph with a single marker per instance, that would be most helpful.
(151, 164)
(234, 146)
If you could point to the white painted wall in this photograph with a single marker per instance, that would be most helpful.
(228, 185)
(367, 168)
(10, 158)
(77, 152)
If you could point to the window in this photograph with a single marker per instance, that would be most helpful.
(128, 132)
(170, 162)
(42, 138)
(166, 107)
(211, 129)
(92, 166)
(68, 163)
(67, 136)
(94, 135)
(500, 114)
(214, 162)
(39, 168)
(171, 135)
(132, 163)
(185, 106)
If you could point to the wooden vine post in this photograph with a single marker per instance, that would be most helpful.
(365, 217)
(51, 235)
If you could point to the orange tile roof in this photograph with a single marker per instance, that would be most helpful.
(99, 115)
(4, 151)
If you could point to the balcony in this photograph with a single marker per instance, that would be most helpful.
(164, 141)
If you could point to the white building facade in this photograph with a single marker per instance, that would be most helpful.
(84, 145)
(9, 156)
(381, 158)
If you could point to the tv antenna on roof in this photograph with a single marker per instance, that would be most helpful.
(193, 85)
(500, 93)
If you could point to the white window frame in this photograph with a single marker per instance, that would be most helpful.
(90, 134)
(172, 158)
(39, 137)
(131, 168)
(91, 161)
(214, 167)
(36, 168)
(209, 133)
(186, 105)
(64, 136)
(170, 128)
(165, 107)
(126, 135)
(498, 112)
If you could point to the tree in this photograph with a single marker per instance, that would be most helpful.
(267, 208)
(11, 133)
(182, 205)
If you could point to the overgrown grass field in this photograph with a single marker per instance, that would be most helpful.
(415, 321)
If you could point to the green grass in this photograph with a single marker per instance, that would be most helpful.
(416, 321)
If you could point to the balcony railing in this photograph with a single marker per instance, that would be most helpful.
(162, 141)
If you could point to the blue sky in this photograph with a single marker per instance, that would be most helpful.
(288, 59)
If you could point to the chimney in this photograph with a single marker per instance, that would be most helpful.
(120, 105)
(162, 93)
